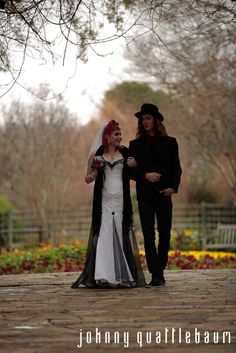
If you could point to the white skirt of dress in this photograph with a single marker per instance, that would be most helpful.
(111, 264)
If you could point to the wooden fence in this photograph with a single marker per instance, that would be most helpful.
(74, 224)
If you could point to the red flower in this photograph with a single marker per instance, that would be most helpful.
(97, 162)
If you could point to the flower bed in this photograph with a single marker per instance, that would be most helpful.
(188, 260)
(71, 257)
(46, 258)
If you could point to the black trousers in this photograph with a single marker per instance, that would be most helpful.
(161, 208)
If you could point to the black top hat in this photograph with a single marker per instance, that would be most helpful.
(149, 108)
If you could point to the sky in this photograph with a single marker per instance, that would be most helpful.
(82, 84)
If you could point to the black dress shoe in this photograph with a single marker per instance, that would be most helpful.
(160, 275)
(163, 279)
(155, 282)
(158, 279)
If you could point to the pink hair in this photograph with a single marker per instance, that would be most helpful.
(111, 126)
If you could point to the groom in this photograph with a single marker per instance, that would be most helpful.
(157, 176)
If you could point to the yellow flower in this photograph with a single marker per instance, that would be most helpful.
(188, 232)
(199, 254)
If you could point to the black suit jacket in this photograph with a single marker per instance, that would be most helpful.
(155, 154)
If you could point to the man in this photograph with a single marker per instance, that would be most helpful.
(157, 176)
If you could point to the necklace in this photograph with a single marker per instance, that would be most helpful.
(111, 157)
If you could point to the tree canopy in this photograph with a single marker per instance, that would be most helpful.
(196, 63)
(34, 27)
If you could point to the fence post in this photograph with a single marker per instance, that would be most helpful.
(204, 224)
(40, 234)
(9, 231)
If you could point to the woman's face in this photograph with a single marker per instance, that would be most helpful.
(115, 138)
(148, 122)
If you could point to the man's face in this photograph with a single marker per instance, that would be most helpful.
(148, 122)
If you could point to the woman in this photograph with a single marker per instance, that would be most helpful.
(112, 258)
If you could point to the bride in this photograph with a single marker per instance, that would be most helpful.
(112, 258)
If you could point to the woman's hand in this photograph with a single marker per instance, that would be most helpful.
(91, 176)
(131, 162)
(153, 177)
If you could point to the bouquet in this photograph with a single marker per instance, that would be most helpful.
(97, 162)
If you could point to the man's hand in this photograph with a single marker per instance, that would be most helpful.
(167, 192)
(152, 177)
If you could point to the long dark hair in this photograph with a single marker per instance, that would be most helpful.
(159, 128)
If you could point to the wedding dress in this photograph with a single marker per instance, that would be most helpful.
(112, 254)
(111, 265)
